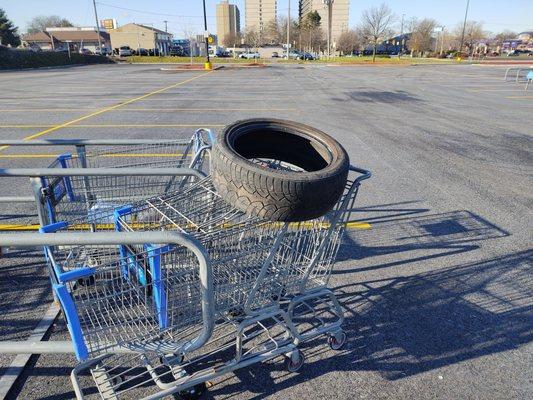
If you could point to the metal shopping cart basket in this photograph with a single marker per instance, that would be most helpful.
(233, 291)
(70, 197)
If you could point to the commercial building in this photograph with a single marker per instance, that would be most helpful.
(58, 38)
(141, 37)
(228, 21)
(259, 13)
(339, 16)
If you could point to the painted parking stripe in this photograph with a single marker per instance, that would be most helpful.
(309, 225)
(104, 110)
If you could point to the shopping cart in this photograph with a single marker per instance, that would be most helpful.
(69, 197)
(233, 291)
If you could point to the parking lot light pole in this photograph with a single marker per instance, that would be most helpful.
(464, 28)
(288, 29)
(207, 64)
(329, 4)
(97, 27)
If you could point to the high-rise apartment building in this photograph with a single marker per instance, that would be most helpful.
(339, 16)
(259, 13)
(228, 21)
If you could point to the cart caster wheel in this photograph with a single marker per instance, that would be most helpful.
(294, 365)
(192, 393)
(337, 340)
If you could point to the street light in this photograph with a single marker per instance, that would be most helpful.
(329, 5)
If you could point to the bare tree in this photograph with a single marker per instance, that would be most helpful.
(421, 40)
(348, 42)
(505, 35)
(271, 33)
(252, 37)
(294, 30)
(376, 25)
(41, 22)
(473, 33)
(232, 39)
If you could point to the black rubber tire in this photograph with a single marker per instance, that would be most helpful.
(279, 195)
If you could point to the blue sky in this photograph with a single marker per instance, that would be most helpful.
(185, 15)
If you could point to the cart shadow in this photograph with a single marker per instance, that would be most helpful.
(412, 324)
(412, 235)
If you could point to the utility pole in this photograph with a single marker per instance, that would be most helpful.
(442, 40)
(207, 64)
(464, 27)
(288, 29)
(97, 26)
(401, 39)
(329, 4)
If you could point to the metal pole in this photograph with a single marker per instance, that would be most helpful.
(464, 27)
(206, 34)
(442, 40)
(401, 39)
(330, 9)
(288, 29)
(97, 26)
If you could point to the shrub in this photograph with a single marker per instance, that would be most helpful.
(17, 58)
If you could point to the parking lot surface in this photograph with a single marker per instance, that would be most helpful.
(437, 284)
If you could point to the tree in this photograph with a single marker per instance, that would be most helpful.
(473, 33)
(271, 32)
(348, 42)
(252, 37)
(499, 38)
(421, 40)
(311, 34)
(8, 31)
(232, 39)
(41, 22)
(376, 24)
(294, 31)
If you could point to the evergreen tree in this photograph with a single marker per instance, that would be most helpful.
(8, 32)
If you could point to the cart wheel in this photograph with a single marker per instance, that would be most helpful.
(193, 393)
(337, 340)
(295, 361)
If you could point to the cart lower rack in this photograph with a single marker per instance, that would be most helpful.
(217, 290)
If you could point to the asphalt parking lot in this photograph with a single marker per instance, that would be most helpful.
(438, 291)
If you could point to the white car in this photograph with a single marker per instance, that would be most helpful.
(125, 51)
(249, 55)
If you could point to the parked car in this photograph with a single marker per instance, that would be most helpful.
(85, 51)
(104, 52)
(274, 54)
(176, 51)
(293, 55)
(141, 52)
(125, 51)
(250, 55)
(305, 56)
(153, 52)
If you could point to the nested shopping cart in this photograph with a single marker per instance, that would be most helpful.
(234, 290)
(77, 193)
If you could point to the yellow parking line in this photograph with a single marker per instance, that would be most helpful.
(519, 97)
(104, 110)
(140, 225)
(119, 126)
(111, 155)
(148, 109)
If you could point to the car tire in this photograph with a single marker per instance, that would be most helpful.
(279, 194)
